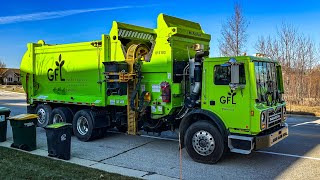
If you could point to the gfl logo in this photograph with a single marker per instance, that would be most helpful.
(228, 99)
(52, 74)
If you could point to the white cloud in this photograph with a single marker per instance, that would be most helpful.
(56, 14)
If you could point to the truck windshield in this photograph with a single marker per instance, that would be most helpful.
(267, 83)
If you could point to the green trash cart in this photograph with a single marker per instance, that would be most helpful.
(24, 131)
(59, 140)
(4, 114)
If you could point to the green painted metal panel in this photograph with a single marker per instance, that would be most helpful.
(69, 73)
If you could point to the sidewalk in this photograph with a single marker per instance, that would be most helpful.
(99, 165)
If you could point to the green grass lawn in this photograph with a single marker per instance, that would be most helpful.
(15, 164)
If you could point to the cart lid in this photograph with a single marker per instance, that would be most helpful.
(22, 117)
(4, 110)
(58, 125)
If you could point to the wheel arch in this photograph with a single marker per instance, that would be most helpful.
(201, 114)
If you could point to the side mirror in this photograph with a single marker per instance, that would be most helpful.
(235, 74)
(234, 84)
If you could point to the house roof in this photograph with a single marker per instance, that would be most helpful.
(4, 70)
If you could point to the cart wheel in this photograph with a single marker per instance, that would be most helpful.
(24, 147)
(13, 145)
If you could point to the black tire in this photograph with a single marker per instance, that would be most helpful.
(86, 133)
(61, 114)
(44, 112)
(203, 134)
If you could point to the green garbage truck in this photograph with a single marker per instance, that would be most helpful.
(161, 79)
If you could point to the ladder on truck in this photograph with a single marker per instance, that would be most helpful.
(131, 114)
(130, 80)
(134, 53)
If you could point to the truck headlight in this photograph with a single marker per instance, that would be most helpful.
(284, 111)
(263, 121)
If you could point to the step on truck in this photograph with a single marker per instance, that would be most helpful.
(155, 80)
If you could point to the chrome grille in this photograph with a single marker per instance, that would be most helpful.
(274, 116)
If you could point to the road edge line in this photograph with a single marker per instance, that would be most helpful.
(289, 155)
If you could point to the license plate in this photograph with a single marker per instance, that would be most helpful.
(278, 136)
(2, 118)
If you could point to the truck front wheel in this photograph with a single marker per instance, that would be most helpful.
(83, 125)
(44, 112)
(204, 142)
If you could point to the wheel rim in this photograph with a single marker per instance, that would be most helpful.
(57, 118)
(41, 116)
(203, 143)
(82, 125)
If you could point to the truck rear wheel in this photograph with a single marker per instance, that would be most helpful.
(61, 114)
(204, 142)
(44, 112)
(83, 125)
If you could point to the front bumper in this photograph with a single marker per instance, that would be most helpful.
(271, 138)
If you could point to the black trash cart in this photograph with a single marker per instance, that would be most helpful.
(59, 140)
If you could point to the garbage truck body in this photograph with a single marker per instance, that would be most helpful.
(156, 80)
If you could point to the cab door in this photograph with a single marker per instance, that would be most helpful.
(232, 106)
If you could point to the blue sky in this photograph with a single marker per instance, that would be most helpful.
(74, 21)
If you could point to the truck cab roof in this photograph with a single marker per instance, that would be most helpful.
(241, 58)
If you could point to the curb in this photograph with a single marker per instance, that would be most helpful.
(98, 165)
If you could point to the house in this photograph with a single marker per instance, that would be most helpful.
(9, 76)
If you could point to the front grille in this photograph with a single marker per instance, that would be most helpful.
(274, 116)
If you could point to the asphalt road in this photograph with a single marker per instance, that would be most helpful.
(296, 157)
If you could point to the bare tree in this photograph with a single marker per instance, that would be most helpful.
(2, 65)
(287, 37)
(234, 34)
(268, 46)
(297, 54)
(261, 45)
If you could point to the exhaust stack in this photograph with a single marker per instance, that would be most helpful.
(190, 100)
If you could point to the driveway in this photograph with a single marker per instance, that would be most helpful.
(296, 157)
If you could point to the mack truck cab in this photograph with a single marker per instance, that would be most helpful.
(241, 108)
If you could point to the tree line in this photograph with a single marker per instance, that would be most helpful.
(297, 53)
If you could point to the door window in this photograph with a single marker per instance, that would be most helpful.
(222, 75)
